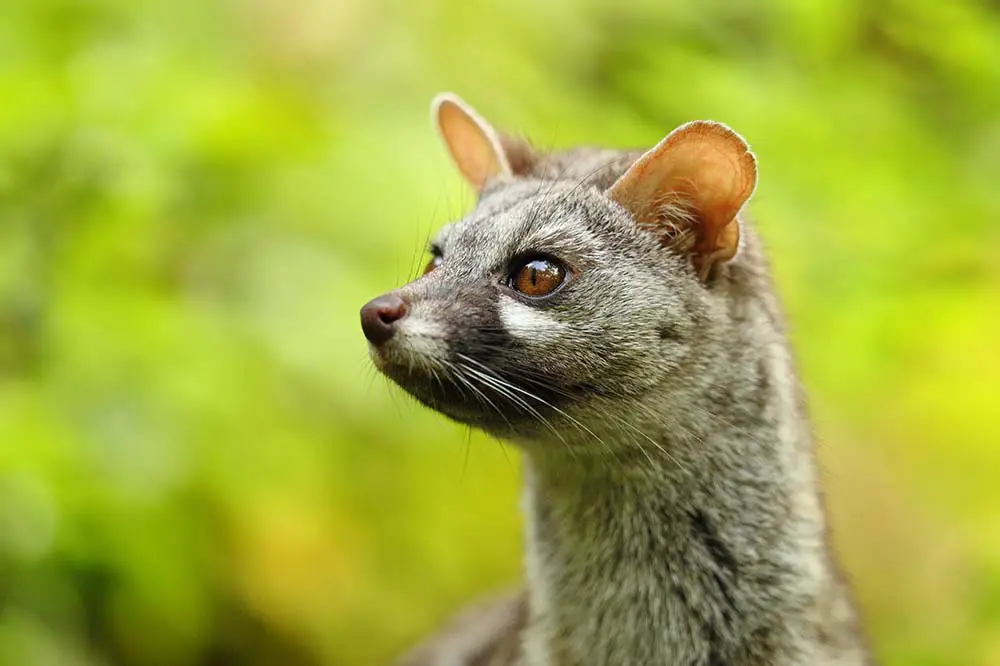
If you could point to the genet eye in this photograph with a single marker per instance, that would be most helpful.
(536, 277)
(435, 261)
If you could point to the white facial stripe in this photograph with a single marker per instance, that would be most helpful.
(528, 323)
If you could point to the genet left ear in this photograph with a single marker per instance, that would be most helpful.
(479, 151)
(702, 168)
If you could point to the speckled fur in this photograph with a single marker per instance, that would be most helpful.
(673, 508)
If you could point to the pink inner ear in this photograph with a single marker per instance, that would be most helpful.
(704, 164)
(471, 141)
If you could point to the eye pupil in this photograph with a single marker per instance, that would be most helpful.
(537, 277)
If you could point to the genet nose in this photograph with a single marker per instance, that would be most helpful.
(379, 317)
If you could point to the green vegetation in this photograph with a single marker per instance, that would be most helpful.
(198, 466)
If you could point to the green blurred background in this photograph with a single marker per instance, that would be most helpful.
(198, 465)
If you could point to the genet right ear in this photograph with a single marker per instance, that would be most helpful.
(703, 169)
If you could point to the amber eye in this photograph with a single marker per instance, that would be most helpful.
(435, 261)
(537, 277)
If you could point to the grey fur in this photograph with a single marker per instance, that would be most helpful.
(673, 507)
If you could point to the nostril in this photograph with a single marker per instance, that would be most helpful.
(378, 317)
(389, 314)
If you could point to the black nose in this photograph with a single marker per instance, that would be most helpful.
(379, 317)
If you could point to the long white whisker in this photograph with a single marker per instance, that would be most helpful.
(531, 395)
(503, 389)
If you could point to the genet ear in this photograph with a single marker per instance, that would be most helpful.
(480, 153)
(690, 189)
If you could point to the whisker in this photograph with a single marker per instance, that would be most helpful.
(503, 388)
(548, 404)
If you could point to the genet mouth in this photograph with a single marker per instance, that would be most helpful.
(470, 394)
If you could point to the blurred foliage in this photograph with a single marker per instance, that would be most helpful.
(198, 466)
